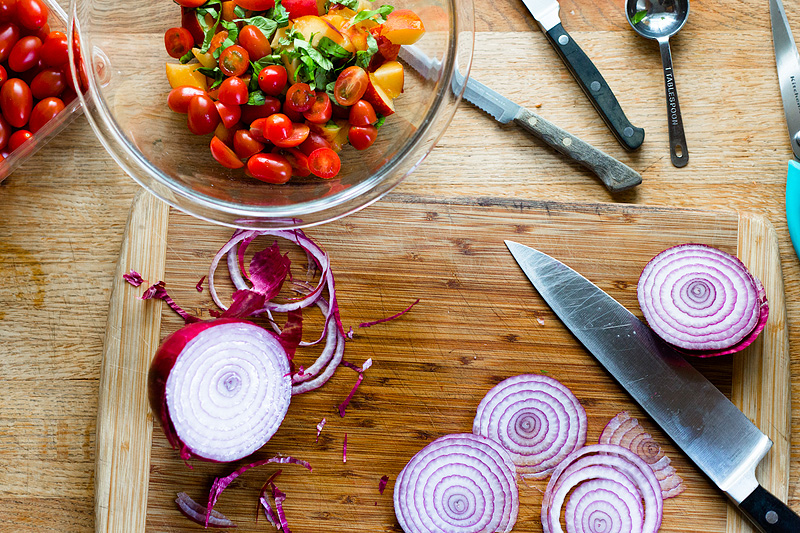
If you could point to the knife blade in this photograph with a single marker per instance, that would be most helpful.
(585, 72)
(614, 174)
(709, 429)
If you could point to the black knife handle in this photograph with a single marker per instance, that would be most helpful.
(770, 514)
(596, 88)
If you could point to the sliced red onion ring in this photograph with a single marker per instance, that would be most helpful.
(536, 419)
(608, 484)
(458, 483)
(624, 430)
(702, 300)
(221, 388)
(197, 513)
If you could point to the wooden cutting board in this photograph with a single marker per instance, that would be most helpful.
(478, 321)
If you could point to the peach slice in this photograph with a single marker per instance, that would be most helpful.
(390, 77)
(403, 26)
(378, 97)
(180, 75)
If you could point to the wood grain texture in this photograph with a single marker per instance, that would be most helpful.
(478, 321)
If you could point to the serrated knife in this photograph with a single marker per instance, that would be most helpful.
(585, 72)
(709, 429)
(614, 174)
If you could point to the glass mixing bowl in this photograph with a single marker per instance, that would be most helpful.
(122, 46)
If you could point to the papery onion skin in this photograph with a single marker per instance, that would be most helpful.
(702, 300)
(165, 360)
(460, 483)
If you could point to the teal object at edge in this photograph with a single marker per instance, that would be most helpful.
(793, 204)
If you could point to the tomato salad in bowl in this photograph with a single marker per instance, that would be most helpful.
(284, 86)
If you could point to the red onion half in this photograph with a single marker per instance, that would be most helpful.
(535, 418)
(459, 483)
(702, 300)
(624, 430)
(604, 486)
(220, 388)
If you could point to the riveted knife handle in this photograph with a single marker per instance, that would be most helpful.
(768, 513)
(596, 88)
(614, 174)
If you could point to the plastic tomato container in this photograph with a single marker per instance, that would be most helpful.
(58, 22)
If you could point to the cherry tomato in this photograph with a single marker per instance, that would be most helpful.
(271, 168)
(225, 134)
(362, 114)
(256, 5)
(48, 82)
(277, 127)
(203, 116)
(41, 33)
(178, 41)
(25, 54)
(296, 138)
(179, 97)
(9, 35)
(17, 138)
(191, 3)
(321, 110)
(229, 114)
(272, 79)
(5, 132)
(252, 112)
(325, 163)
(3, 75)
(314, 141)
(224, 155)
(299, 97)
(296, 158)
(292, 114)
(234, 60)
(32, 14)
(351, 85)
(54, 49)
(245, 145)
(8, 10)
(189, 21)
(44, 112)
(255, 42)
(16, 102)
(233, 91)
(362, 137)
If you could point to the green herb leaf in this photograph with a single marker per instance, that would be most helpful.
(186, 58)
(266, 25)
(239, 11)
(214, 73)
(210, 31)
(351, 4)
(331, 48)
(379, 15)
(320, 60)
(232, 28)
(278, 14)
(329, 89)
(257, 98)
(258, 66)
(381, 120)
(363, 57)
(639, 16)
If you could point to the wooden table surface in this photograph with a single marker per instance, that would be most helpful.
(64, 211)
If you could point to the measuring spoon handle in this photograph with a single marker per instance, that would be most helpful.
(678, 151)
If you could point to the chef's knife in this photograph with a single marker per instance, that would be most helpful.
(614, 174)
(712, 432)
(788, 62)
(589, 78)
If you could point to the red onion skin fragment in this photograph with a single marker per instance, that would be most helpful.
(320, 426)
(701, 300)
(344, 449)
(159, 291)
(134, 278)
(199, 285)
(197, 513)
(387, 319)
(382, 484)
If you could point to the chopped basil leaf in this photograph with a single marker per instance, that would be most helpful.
(639, 16)
(279, 14)
(258, 66)
(351, 4)
(379, 15)
(329, 47)
(257, 98)
(186, 57)
(329, 89)
(210, 31)
(266, 25)
(381, 120)
(232, 29)
(363, 57)
(214, 73)
(239, 11)
(306, 49)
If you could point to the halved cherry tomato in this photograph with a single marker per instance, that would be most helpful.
(271, 168)
(296, 138)
(229, 114)
(256, 5)
(296, 158)
(8, 11)
(44, 112)
(191, 3)
(362, 114)
(252, 112)
(48, 82)
(234, 60)
(325, 163)
(300, 97)
(32, 14)
(255, 42)
(5, 132)
(362, 137)
(292, 114)
(272, 79)
(9, 35)
(321, 110)
(17, 139)
(233, 91)
(224, 155)
(225, 134)
(277, 127)
(16, 102)
(178, 41)
(245, 145)
(54, 49)
(179, 97)
(203, 116)
(351, 85)
(258, 130)
(313, 142)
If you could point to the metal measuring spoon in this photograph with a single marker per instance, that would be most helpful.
(659, 20)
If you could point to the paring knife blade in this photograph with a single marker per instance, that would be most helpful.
(614, 174)
(712, 432)
(585, 72)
